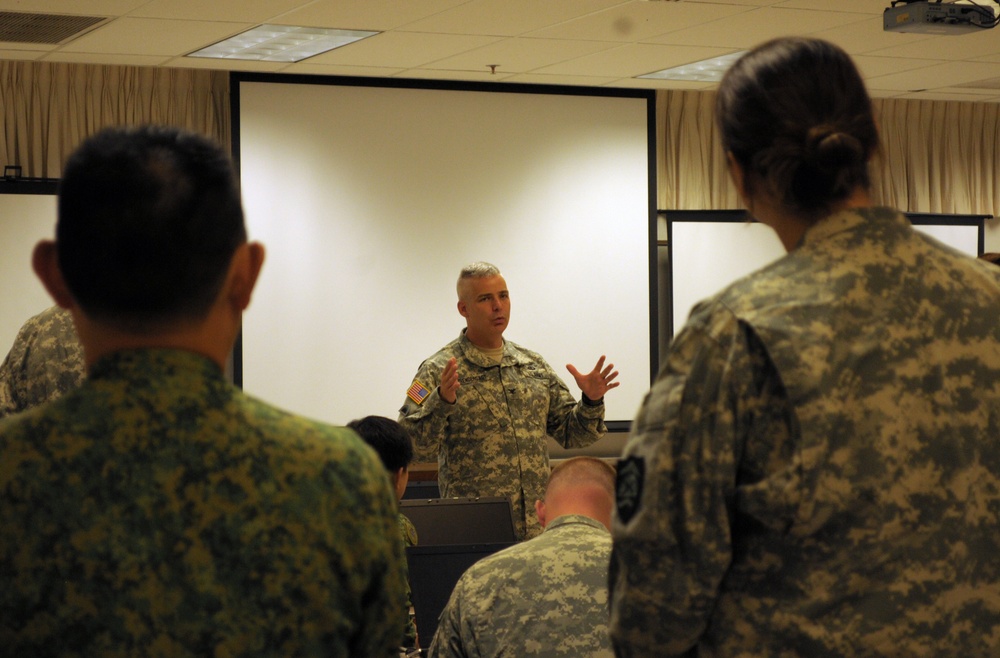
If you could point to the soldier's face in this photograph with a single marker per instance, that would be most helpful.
(485, 305)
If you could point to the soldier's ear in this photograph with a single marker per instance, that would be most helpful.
(243, 272)
(45, 263)
(540, 512)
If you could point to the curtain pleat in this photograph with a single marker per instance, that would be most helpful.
(936, 157)
(49, 108)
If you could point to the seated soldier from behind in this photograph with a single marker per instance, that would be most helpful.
(158, 509)
(395, 448)
(547, 596)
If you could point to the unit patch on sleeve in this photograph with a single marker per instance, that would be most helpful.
(628, 487)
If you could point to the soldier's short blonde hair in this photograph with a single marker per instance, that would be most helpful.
(578, 471)
(477, 270)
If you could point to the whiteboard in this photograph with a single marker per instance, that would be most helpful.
(709, 254)
(24, 220)
(370, 200)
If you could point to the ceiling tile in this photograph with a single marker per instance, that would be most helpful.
(309, 67)
(521, 54)
(14, 45)
(948, 46)
(152, 36)
(571, 80)
(445, 74)
(402, 49)
(867, 36)
(584, 42)
(242, 11)
(638, 21)
(365, 14)
(107, 58)
(935, 77)
(226, 65)
(632, 60)
(647, 83)
(750, 28)
(510, 17)
(873, 67)
(73, 7)
(937, 96)
(6, 53)
(744, 3)
(856, 6)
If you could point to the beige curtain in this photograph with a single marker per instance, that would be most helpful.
(692, 167)
(48, 108)
(937, 157)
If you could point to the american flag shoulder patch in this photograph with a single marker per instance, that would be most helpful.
(417, 392)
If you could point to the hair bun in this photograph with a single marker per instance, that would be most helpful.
(829, 149)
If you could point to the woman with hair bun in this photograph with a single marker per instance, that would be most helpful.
(816, 470)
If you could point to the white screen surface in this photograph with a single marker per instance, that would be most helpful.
(371, 199)
(26, 219)
(709, 255)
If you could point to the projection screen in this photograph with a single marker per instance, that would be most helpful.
(371, 198)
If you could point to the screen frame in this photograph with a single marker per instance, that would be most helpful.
(647, 96)
(741, 217)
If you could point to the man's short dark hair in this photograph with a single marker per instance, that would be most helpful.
(391, 440)
(149, 218)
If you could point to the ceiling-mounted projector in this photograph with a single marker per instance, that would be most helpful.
(939, 17)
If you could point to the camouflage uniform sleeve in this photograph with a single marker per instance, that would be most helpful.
(449, 641)
(380, 549)
(12, 372)
(7, 405)
(676, 483)
(427, 421)
(45, 361)
(408, 535)
(572, 424)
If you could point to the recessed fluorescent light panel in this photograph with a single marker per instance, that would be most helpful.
(281, 43)
(708, 70)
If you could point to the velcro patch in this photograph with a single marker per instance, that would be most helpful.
(417, 392)
(628, 486)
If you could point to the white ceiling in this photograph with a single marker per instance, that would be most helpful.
(563, 42)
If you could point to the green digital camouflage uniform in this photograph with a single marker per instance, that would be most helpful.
(816, 471)
(45, 361)
(544, 597)
(491, 442)
(156, 510)
(408, 533)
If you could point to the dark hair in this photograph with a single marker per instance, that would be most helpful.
(991, 257)
(391, 440)
(149, 218)
(796, 116)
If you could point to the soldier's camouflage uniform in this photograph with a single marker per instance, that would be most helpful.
(822, 460)
(408, 533)
(45, 361)
(491, 442)
(544, 597)
(156, 510)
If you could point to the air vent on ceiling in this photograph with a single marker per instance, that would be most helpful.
(51, 29)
